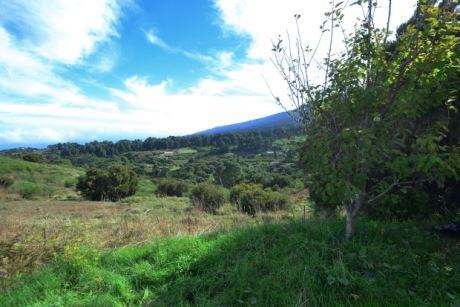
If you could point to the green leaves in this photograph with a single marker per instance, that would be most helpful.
(114, 184)
(384, 114)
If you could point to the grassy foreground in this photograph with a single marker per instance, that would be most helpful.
(287, 264)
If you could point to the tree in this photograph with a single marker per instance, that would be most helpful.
(378, 123)
(228, 173)
(114, 184)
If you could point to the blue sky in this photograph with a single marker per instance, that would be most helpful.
(113, 69)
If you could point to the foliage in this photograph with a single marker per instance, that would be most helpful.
(79, 257)
(251, 198)
(5, 181)
(381, 121)
(70, 183)
(207, 197)
(33, 157)
(29, 190)
(280, 181)
(172, 187)
(398, 264)
(114, 184)
(37, 180)
(228, 173)
(253, 141)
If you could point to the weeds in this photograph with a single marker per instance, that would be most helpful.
(395, 264)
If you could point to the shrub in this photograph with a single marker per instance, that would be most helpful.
(70, 183)
(251, 198)
(172, 187)
(6, 182)
(280, 181)
(33, 157)
(207, 197)
(29, 190)
(116, 183)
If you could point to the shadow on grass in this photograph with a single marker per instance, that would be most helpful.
(290, 264)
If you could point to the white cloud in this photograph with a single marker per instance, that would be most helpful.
(154, 39)
(141, 108)
(264, 20)
(36, 39)
(51, 34)
(64, 31)
(53, 109)
(210, 103)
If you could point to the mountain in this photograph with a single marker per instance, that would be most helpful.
(279, 120)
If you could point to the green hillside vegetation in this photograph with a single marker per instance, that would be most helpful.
(341, 216)
(400, 264)
(38, 180)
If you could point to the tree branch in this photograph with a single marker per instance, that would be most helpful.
(388, 24)
(394, 184)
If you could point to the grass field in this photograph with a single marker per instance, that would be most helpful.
(33, 232)
(58, 250)
(284, 264)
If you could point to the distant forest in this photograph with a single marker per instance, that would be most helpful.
(254, 141)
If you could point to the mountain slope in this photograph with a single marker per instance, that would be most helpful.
(279, 120)
(38, 180)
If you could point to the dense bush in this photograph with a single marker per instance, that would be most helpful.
(29, 190)
(6, 182)
(70, 183)
(172, 187)
(33, 157)
(114, 184)
(251, 198)
(280, 181)
(207, 197)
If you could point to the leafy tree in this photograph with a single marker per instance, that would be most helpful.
(379, 122)
(228, 173)
(114, 184)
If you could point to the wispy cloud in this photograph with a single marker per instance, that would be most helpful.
(277, 18)
(154, 39)
(63, 31)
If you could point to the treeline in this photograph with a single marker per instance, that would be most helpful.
(254, 141)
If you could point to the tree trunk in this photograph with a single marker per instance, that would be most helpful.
(352, 212)
(350, 225)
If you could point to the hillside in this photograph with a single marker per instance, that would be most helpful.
(279, 120)
(37, 180)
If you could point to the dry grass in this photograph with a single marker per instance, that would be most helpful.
(33, 232)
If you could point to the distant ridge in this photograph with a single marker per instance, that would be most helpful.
(279, 120)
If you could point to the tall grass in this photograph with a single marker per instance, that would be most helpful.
(290, 264)
(39, 180)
